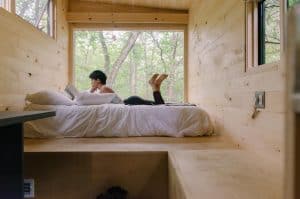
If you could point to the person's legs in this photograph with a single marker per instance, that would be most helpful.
(155, 83)
(135, 100)
(158, 98)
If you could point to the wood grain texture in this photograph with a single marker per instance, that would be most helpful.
(138, 144)
(176, 189)
(292, 158)
(115, 13)
(103, 7)
(30, 60)
(127, 26)
(166, 4)
(122, 17)
(219, 84)
(224, 174)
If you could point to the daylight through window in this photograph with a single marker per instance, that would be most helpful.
(129, 58)
(37, 12)
(269, 31)
(3, 3)
(291, 3)
(262, 32)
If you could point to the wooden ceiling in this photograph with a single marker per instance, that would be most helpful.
(170, 4)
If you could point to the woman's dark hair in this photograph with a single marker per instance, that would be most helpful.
(98, 75)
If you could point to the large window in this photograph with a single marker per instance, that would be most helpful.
(37, 12)
(129, 58)
(263, 32)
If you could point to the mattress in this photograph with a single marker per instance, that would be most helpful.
(119, 120)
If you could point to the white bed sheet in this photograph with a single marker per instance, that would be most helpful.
(119, 120)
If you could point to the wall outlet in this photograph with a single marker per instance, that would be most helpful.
(28, 188)
(260, 99)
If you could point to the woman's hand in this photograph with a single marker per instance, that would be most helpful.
(94, 85)
(93, 89)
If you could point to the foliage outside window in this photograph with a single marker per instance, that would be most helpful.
(37, 12)
(269, 31)
(291, 3)
(129, 58)
(263, 32)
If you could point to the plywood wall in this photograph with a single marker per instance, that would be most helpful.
(30, 60)
(218, 81)
(87, 12)
(163, 4)
(119, 6)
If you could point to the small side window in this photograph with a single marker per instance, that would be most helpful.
(37, 12)
(268, 31)
(263, 32)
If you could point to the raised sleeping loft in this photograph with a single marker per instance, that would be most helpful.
(112, 120)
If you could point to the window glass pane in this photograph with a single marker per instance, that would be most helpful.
(148, 52)
(35, 12)
(292, 2)
(43, 25)
(271, 31)
(1, 3)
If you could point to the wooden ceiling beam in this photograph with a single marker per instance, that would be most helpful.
(87, 6)
(115, 18)
(164, 4)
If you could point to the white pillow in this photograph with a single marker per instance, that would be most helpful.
(49, 98)
(87, 98)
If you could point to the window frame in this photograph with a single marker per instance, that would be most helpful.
(290, 6)
(255, 37)
(127, 27)
(261, 33)
(6, 4)
(10, 5)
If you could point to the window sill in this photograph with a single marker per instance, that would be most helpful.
(263, 68)
(3, 9)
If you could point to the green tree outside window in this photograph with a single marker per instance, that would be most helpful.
(129, 58)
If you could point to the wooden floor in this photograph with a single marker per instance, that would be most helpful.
(140, 144)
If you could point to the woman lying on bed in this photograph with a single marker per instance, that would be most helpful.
(98, 82)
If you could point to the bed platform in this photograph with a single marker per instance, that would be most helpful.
(196, 166)
(133, 144)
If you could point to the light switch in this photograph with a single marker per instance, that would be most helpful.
(260, 99)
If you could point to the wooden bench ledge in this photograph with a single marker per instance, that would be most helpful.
(226, 174)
